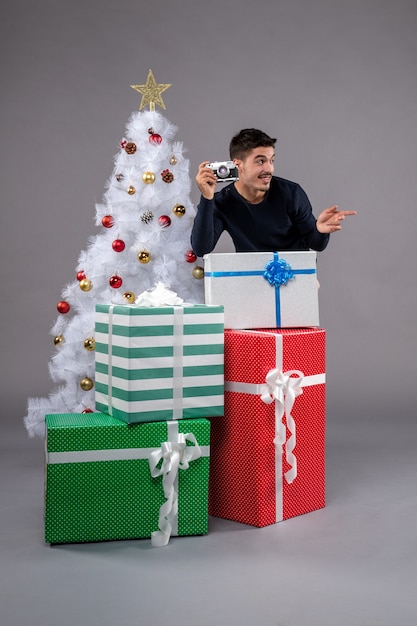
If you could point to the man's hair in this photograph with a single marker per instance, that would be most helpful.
(248, 139)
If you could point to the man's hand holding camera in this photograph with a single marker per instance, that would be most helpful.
(211, 173)
(206, 180)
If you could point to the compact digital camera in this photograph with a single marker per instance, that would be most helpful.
(226, 171)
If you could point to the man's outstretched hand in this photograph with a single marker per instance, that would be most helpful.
(330, 219)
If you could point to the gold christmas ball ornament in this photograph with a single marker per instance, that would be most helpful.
(131, 190)
(58, 340)
(130, 147)
(148, 178)
(198, 272)
(179, 210)
(173, 160)
(86, 284)
(129, 296)
(90, 344)
(144, 256)
(86, 384)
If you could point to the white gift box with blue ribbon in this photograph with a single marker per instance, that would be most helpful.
(263, 289)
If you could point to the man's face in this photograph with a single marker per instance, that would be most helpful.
(256, 169)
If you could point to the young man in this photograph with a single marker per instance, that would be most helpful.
(261, 212)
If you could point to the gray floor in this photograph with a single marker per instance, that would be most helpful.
(353, 562)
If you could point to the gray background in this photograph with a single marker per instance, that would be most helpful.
(335, 81)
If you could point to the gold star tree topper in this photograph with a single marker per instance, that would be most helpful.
(151, 93)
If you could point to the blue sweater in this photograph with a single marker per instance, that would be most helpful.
(284, 220)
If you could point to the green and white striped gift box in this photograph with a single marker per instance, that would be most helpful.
(159, 363)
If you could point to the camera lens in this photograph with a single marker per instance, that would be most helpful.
(223, 171)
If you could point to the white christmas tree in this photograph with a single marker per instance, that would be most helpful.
(145, 221)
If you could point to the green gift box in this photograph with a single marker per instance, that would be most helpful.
(105, 480)
(159, 363)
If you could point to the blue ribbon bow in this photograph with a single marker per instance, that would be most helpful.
(278, 272)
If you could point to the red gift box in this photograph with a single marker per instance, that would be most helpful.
(268, 452)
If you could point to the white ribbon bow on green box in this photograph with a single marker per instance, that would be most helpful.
(175, 455)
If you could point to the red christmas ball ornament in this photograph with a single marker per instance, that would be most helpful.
(81, 275)
(107, 221)
(88, 411)
(155, 139)
(115, 281)
(164, 221)
(63, 307)
(190, 256)
(118, 245)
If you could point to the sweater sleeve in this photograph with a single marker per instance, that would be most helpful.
(206, 228)
(306, 222)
